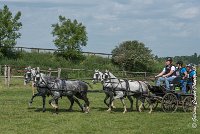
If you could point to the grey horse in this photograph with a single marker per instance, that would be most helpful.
(98, 77)
(29, 75)
(57, 88)
(122, 88)
(42, 89)
(70, 89)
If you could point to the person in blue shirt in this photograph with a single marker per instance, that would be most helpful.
(191, 75)
(182, 73)
(167, 74)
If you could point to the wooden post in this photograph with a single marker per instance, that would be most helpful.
(9, 76)
(59, 72)
(49, 71)
(78, 75)
(5, 74)
(145, 75)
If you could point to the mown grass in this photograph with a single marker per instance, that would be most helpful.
(17, 118)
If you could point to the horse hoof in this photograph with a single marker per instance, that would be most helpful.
(54, 105)
(109, 110)
(114, 107)
(124, 112)
(150, 112)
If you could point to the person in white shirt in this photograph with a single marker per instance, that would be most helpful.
(167, 75)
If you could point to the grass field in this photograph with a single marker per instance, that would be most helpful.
(17, 118)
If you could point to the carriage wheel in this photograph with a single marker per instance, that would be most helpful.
(146, 103)
(188, 105)
(169, 102)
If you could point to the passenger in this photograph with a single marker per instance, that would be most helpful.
(191, 75)
(167, 74)
(182, 73)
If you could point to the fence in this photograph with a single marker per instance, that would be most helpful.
(10, 72)
(39, 50)
(68, 73)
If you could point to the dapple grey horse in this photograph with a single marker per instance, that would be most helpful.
(122, 88)
(29, 75)
(42, 89)
(55, 87)
(98, 77)
(70, 89)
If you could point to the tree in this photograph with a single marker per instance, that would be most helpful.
(9, 27)
(70, 37)
(133, 56)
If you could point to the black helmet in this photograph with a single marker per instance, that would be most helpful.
(180, 63)
(169, 59)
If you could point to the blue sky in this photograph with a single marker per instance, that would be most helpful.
(167, 27)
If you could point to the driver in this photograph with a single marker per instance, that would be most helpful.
(167, 74)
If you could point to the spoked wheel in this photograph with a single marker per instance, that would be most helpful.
(188, 105)
(169, 102)
(146, 103)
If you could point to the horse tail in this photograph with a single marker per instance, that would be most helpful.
(88, 84)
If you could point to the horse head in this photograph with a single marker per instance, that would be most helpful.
(29, 74)
(40, 79)
(97, 76)
(106, 75)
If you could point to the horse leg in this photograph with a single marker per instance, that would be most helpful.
(82, 96)
(142, 104)
(31, 101)
(71, 99)
(111, 94)
(87, 103)
(124, 105)
(112, 104)
(131, 101)
(44, 100)
(106, 98)
(77, 101)
(56, 95)
(56, 101)
(151, 108)
(150, 105)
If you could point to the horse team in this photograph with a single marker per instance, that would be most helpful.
(113, 87)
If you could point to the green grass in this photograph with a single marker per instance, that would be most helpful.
(17, 118)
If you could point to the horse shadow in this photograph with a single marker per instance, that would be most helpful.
(52, 110)
(113, 109)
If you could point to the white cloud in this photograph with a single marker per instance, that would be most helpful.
(114, 29)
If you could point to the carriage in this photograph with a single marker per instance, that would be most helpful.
(169, 100)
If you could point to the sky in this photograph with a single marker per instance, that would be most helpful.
(167, 27)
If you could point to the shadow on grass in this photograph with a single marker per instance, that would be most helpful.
(113, 109)
(62, 110)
